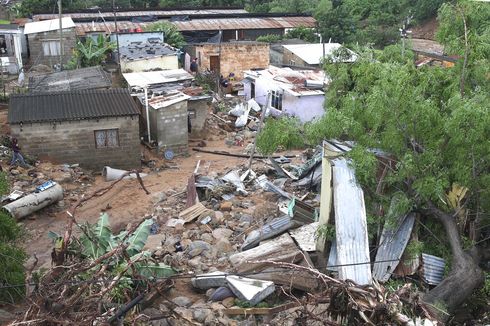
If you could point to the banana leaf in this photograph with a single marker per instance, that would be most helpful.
(100, 234)
(137, 240)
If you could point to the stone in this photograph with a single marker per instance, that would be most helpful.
(200, 315)
(195, 262)
(154, 242)
(197, 247)
(219, 217)
(153, 312)
(158, 197)
(207, 237)
(210, 292)
(223, 246)
(226, 206)
(64, 178)
(182, 301)
(228, 302)
(222, 233)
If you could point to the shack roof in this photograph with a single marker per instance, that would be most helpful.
(210, 24)
(140, 50)
(312, 53)
(70, 80)
(140, 13)
(48, 25)
(144, 79)
(291, 81)
(74, 105)
(163, 101)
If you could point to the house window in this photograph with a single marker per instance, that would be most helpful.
(276, 100)
(51, 48)
(106, 138)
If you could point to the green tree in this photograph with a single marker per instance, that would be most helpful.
(303, 33)
(12, 256)
(172, 35)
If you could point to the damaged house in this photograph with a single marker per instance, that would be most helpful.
(298, 93)
(92, 127)
(146, 56)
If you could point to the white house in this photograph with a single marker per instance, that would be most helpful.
(311, 54)
(298, 93)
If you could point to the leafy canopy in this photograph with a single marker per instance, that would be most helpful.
(172, 36)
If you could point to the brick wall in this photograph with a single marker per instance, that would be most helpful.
(36, 48)
(74, 142)
(235, 56)
(168, 126)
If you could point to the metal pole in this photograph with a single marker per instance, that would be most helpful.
(218, 90)
(117, 32)
(259, 128)
(147, 115)
(61, 35)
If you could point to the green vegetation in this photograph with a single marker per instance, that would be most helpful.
(303, 33)
(172, 36)
(91, 53)
(284, 132)
(12, 256)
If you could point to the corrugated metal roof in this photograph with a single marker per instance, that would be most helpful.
(143, 79)
(211, 24)
(48, 25)
(70, 80)
(350, 225)
(165, 13)
(74, 105)
(393, 241)
(163, 101)
(312, 53)
(432, 269)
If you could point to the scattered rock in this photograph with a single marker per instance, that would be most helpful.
(158, 197)
(182, 301)
(222, 233)
(200, 315)
(228, 302)
(223, 246)
(210, 292)
(207, 237)
(226, 206)
(219, 217)
(63, 178)
(197, 247)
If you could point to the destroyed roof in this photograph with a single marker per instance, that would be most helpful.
(70, 80)
(312, 53)
(141, 51)
(74, 105)
(140, 13)
(427, 46)
(144, 79)
(48, 25)
(292, 81)
(163, 101)
(210, 24)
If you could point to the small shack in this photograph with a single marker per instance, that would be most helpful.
(45, 46)
(92, 127)
(310, 55)
(169, 121)
(70, 80)
(147, 56)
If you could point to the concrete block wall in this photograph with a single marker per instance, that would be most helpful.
(198, 110)
(171, 127)
(74, 142)
(36, 49)
(235, 56)
(289, 56)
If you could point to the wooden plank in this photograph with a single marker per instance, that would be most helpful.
(193, 212)
(281, 249)
(259, 311)
(325, 200)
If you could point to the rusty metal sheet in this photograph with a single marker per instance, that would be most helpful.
(393, 242)
(350, 225)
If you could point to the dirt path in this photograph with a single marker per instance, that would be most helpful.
(127, 200)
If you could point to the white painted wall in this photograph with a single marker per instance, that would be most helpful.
(164, 62)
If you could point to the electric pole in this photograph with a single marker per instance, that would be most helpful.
(61, 35)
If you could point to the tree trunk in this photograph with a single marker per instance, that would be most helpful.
(465, 275)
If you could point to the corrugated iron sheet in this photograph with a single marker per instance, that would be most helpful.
(350, 225)
(432, 269)
(74, 105)
(212, 24)
(393, 241)
(160, 13)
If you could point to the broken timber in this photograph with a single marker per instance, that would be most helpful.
(193, 212)
(281, 249)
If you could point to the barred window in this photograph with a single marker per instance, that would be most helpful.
(276, 100)
(106, 138)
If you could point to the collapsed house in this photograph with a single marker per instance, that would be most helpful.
(94, 128)
(298, 93)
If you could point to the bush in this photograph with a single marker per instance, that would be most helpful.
(285, 132)
(12, 256)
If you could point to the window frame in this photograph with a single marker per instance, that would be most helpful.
(277, 98)
(46, 42)
(105, 131)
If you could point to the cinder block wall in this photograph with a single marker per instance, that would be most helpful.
(198, 110)
(74, 142)
(36, 49)
(235, 57)
(170, 127)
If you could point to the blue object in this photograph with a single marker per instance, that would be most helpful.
(169, 154)
(48, 184)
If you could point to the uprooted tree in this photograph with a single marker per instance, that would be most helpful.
(435, 123)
